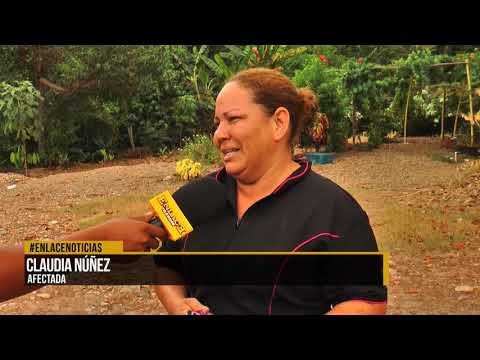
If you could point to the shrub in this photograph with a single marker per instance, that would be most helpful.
(325, 81)
(200, 148)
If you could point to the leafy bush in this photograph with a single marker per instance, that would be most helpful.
(106, 155)
(17, 158)
(77, 129)
(19, 103)
(162, 117)
(201, 148)
(326, 82)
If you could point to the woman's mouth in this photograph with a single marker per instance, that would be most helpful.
(229, 153)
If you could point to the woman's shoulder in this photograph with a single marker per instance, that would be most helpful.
(322, 185)
(327, 193)
(335, 206)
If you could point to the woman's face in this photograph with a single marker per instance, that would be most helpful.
(245, 133)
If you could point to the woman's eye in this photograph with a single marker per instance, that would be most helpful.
(232, 119)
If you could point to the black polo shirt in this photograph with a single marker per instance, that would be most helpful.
(307, 212)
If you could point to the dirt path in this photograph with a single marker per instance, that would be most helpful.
(423, 278)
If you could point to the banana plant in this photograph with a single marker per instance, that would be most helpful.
(218, 66)
(195, 76)
(272, 56)
(203, 84)
(226, 64)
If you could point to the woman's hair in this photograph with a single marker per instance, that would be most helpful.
(272, 89)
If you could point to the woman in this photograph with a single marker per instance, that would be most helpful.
(275, 203)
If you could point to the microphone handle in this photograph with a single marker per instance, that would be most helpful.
(156, 221)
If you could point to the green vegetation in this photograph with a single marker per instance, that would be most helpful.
(200, 148)
(65, 104)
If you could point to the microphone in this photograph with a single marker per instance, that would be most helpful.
(191, 205)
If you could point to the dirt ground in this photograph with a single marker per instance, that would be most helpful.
(424, 212)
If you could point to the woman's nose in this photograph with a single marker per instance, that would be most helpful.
(221, 133)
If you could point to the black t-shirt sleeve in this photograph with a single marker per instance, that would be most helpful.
(352, 225)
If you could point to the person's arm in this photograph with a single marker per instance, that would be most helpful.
(170, 282)
(12, 281)
(356, 235)
(137, 235)
(358, 307)
(174, 297)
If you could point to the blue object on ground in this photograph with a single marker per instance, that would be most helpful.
(319, 158)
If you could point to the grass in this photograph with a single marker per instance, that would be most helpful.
(93, 212)
(418, 225)
(411, 228)
(461, 177)
(449, 157)
(443, 157)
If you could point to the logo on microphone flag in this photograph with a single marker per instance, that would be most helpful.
(171, 216)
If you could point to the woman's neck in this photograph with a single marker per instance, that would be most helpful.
(271, 178)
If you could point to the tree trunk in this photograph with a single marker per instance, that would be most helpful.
(456, 117)
(41, 106)
(123, 114)
(354, 122)
(43, 124)
(406, 112)
(469, 88)
(442, 125)
(25, 165)
(130, 136)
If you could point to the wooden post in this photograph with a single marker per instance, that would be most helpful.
(442, 125)
(456, 117)
(469, 88)
(406, 112)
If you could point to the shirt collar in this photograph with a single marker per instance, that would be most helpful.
(293, 179)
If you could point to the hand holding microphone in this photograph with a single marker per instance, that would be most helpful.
(191, 205)
(136, 233)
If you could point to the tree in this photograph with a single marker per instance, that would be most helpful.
(325, 80)
(18, 109)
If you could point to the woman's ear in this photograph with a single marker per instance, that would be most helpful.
(281, 123)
